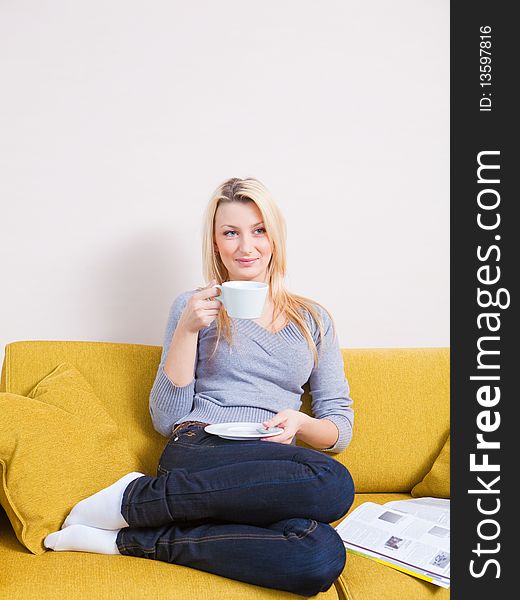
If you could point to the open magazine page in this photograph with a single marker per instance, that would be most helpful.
(436, 510)
(402, 539)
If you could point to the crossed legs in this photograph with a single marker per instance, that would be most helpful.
(256, 512)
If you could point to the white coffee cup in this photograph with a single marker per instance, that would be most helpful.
(243, 299)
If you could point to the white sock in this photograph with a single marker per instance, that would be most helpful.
(103, 509)
(83, 539)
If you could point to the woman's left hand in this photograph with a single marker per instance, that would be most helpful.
(290, 421)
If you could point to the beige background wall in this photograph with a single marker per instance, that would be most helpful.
(118, 119)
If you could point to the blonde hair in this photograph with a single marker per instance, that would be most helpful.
(291, 305)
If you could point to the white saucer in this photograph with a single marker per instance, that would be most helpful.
(240, 431)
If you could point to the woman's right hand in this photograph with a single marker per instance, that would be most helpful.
(200, 310)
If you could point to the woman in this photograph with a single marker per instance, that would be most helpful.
(253, 510)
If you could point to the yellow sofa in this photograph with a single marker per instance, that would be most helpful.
(401, 402)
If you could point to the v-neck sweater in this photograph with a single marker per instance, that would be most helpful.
(259, 375)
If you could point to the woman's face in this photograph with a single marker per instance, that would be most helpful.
(240, 233)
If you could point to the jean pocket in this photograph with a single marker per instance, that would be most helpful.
(190, 434)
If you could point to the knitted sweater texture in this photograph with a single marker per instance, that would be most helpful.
(261, 374)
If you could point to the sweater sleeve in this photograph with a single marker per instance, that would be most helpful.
(169, 402)
(329, 389)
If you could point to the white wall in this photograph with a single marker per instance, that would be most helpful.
(118, 120)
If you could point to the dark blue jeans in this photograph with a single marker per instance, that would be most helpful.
(248, 510)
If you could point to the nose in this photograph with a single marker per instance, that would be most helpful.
(246, 244)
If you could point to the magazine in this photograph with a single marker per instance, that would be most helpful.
(412, 536)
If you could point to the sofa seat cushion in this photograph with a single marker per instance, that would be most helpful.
(84, 576)
(362, 577)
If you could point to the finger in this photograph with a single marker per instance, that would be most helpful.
(275, 421)
(205, 288)
(212, 305)
(277, 438)
(205, 297)
(283, 435)
(209, 293)
(270, 423)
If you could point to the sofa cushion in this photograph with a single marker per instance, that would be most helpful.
(121, 376)
(437, 481)
(366, 579)
(57, 446)
(84, 576)
(404, 391)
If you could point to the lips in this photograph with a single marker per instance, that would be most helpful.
(246, 263)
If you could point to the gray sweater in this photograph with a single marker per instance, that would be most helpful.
(261, 375)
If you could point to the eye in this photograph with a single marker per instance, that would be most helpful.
(261, 229)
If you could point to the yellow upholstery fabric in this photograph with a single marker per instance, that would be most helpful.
(121, 376)
(437, 482)
(365, 579)
(57, 446)
(401, 404)
(402, 415)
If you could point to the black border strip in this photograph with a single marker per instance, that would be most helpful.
(483, 120)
